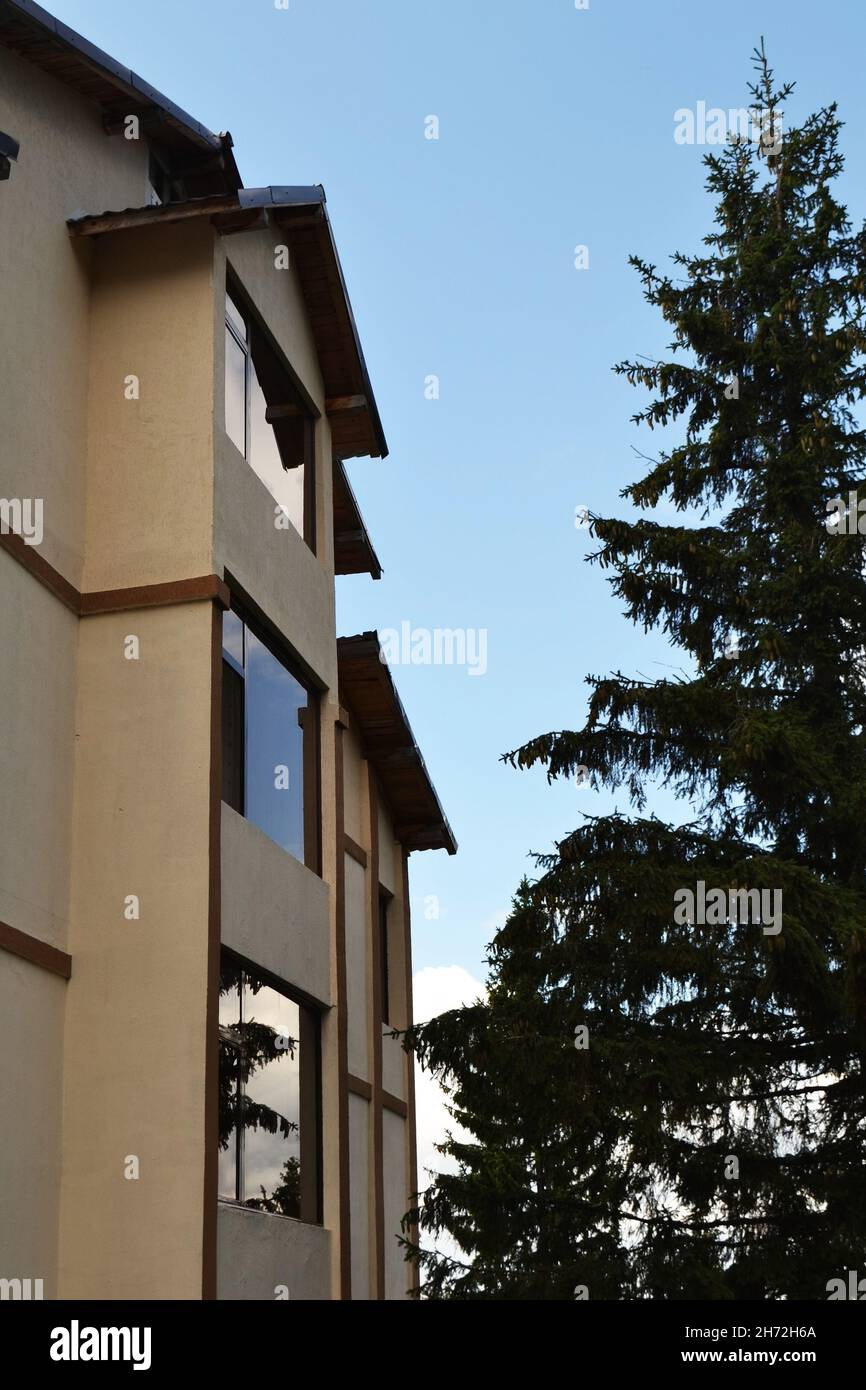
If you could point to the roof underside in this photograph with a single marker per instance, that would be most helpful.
(353, 549)
(204, 160)
(301, 216)
(387, 741)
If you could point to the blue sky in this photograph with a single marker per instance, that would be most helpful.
(556, 129)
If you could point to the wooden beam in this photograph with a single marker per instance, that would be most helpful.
(358, 1087)
(38, 952)
(345, 405)
(395, 1105)
(275, 413)
(354, 850)
(334, 405)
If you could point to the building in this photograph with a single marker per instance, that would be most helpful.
(207, 801)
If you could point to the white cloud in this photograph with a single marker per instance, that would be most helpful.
(436, 989)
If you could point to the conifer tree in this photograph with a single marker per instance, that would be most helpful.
(704, 1136)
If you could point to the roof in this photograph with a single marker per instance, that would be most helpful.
(41, 39)
(353, 549)
(302, 216)
(387, 741)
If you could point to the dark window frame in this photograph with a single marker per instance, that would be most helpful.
(310, 1014)
(312, 737)
(258, 336)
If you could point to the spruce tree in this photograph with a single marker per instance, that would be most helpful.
(707, 1141)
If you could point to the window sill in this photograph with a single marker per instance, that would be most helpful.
(271, 1215)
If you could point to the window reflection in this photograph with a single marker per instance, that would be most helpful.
(274, 748)
(236, 318)
(259, 1094)
(272, 1155)
(280, 453)
(269, 743)
(229, 1078)
(286, 485)
(233, 638)
(236, 392)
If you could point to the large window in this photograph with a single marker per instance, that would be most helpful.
(270, 741)
(269, 1087)
(267, 421)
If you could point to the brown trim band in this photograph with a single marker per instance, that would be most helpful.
(357, 1086)
(207, 586)
(214, 915)
(343, 1079)
(354, 850)
(28, 557)
(376, 1022)
(21, 943)
(395, 1104)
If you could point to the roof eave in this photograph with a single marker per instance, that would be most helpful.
(430, 830)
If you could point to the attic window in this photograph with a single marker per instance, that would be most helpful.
(158, 182)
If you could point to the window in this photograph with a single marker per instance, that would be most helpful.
(270, 741)
(269, 1087)
(159, 183)
(384, 964)
(266, 420)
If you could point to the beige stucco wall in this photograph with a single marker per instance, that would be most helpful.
(394, 1164)
(260, 1254)
(38, 642)
(359, 1194)
(275, 911)
(388, 875)
(150, 461)
(354, 785)
(135, 1021)
(393, 1065)
(394, 1074)
(357, 968)
(31, 1044)
(67, 166)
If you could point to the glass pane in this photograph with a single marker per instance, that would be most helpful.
(233, 637)
(274, 748)
(286, 485)
(228, 1116)
(236, 393)
(236, 318)
(271, 1105)
(229, 1076)
(233, 738)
